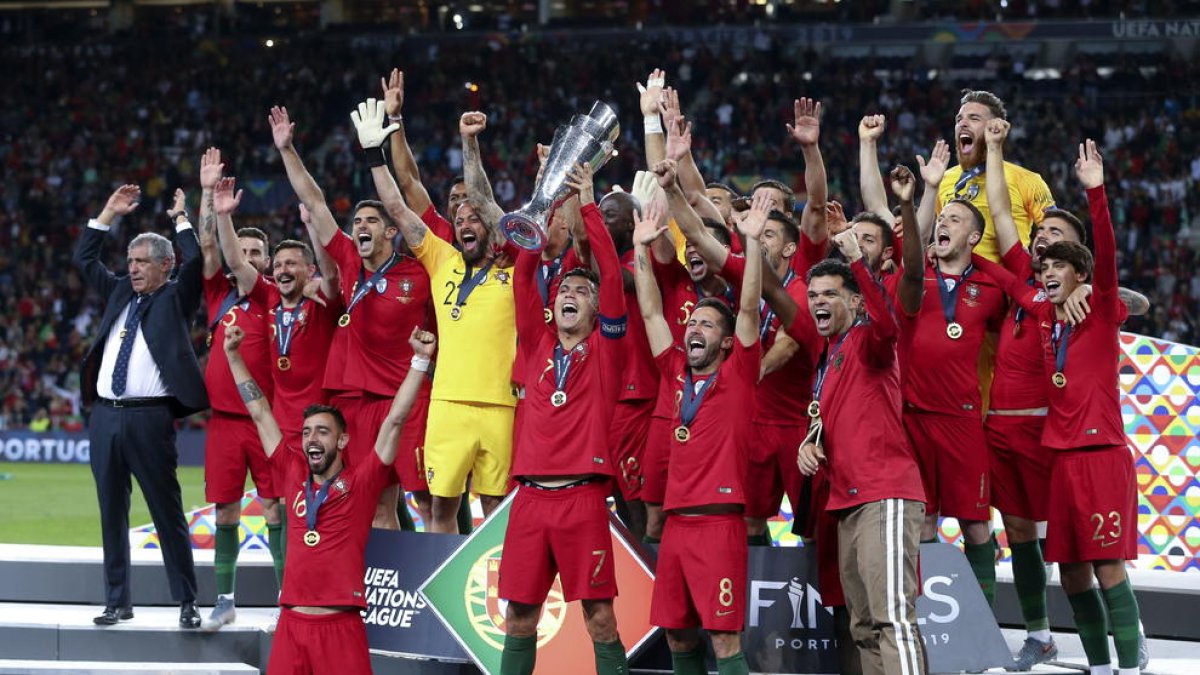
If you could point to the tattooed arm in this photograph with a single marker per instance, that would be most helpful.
(256, 402)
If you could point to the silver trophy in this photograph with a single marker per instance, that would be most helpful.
(588, 138)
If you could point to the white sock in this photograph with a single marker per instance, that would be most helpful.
(1129, 671)
(1040, 635)
(225, 596)
(1105, 669)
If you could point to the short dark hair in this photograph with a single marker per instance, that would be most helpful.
(885, 228)
(1071, 218)
(980, 223)
(294, 244)
(830, 267)
(791, 230)
(254, 233)
(717, 185)
(321, 408)
(719, 230)
(728, 320)
(789, 196)
(987, 98)
(456, 180)
(1073, 253)
(386, 217)
(586, 273)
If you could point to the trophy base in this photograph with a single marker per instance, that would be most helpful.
(523, 232)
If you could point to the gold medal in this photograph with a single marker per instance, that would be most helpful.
(344, 320)
(455, 313)
(954, 330)
(284, 363)
(682, 434)
(558, 398)
(207, 340)
(312, 538)
(1059, 380)
(549, 314)
(121, 335)
(814, 409)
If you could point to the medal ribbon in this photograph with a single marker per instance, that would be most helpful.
(313, 502)
(562, 365)
(766, 314)
(693, 398)
(231, 299)
(361, 290)
(1019, 315)
(950, 296)
(285, 329)
(1062, 334)
(967, 176)
(470, 281)
(548, 271)
(827, 355)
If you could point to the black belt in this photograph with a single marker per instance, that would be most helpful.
(134, 402)
(579, 483)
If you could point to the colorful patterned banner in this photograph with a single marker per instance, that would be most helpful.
(1159, 386)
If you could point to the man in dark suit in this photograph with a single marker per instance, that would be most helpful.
(141, 374)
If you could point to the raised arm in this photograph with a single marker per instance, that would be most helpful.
(423, 345)
(751, 227)
(408, 176)
(646, 229)
(911, 289)
(1021, 293)
(479, 189)
(998, 198)
(604, 254)
(189, 271)
(368, 121)
(324, 226)
(650, 95)
(256, 402)
(210, 172)
(87, 253)
(225, 201)
(870, 182)
(693, 229)
(781, 351)
(932, 173)
(807, 131)
(882, 329)
(330, 276)
(679, 148)
(1089, 167)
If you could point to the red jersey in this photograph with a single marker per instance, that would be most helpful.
(1018, 382)
(329, 574)
(1086, 411)
(371, 353)
(869, 456)
(570, 438)
(808, 254)
(249, 314)
(639, 381)
(941, 374)
(549, 273)
(710, 467)
(440, 227)
(308, 327)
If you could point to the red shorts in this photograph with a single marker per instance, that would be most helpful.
(364, 415)
(563, 532)
(1020, 466)
(700, 578)
(825, 534)
(654, 463)
(953, 456)
(630, 424)
(231, 448)
(1093, 507)
(773, 470)
(307, 644)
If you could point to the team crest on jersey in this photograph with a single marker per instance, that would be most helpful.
(971, 294)
(502, 276)
(406, 287)
(381, 286)
(838, 361)
(428, 475)
(302, 317)
(1040, 296)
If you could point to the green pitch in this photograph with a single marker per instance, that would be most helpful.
(56, 503)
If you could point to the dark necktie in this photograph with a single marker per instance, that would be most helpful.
(121, 369)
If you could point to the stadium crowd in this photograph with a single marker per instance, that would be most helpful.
(131, 110)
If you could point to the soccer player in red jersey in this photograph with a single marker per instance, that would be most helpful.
(639, 381)
(1091, 529)
(386, 292)
(231, 444)
(875, 484)
(559, 520)
(940, 349)
(702, 562)
(404, 165)
(330, 508)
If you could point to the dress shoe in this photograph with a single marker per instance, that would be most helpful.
(189, 616)
(111, 615)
